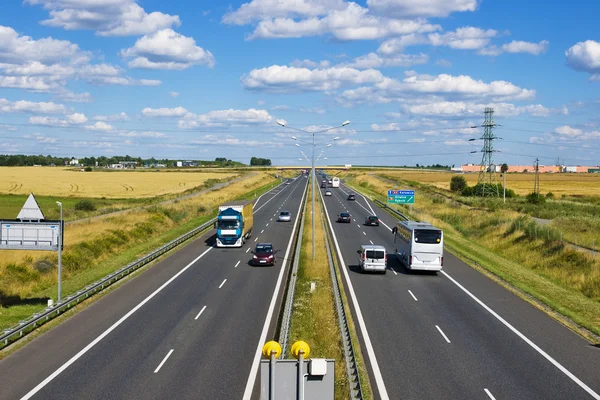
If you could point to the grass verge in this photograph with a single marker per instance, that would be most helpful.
(314, 317)
(561, 280)
(98, 268)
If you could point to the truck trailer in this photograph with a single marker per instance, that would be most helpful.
(234, 223)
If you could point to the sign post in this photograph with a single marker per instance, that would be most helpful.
(32, 231)
(401, 196)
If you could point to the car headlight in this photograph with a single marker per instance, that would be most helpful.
(254, 257)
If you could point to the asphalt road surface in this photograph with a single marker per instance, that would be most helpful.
(454, 334)
(190, 327)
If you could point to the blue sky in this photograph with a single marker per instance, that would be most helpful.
(200, 79)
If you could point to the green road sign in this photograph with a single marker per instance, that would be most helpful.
(401, 197)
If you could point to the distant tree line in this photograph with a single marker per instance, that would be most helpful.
(20, 160)
(259, 161)
(434, 166)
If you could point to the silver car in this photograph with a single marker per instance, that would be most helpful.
(328, 193)
(285, 216)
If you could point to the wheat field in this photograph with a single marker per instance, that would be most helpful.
(522, 184)
(64, 182)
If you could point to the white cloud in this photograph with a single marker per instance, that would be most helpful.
(77, 119)
(167, 49)
(123, 81)
(466, 38)
(265, 9)
(415, 86)
(40, 138)
(17, 49)
(67, 95)
(122, 116)
(517, 46)
(391, 126)
(456, 142)
(164, 112)
(374, 60)
(397, 45)
(174, 94)
(30, 83)
(315, 110)
(309, 64)
(100, 126)
(71, 119)
(106, 17)
(350, 23)
(585, 57)
(48, 121)
(460, 108)
(443, 63)
(284, 79)
(143, 134)
(416, 140)
(31, 107)
(421, 8)
(229, 140)
(226, 117)
(568, 131)
(280, 108)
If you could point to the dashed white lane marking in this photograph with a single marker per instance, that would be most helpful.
(200, 313)
(371, 242)
(413, 296)
(222, 283)
(238, 263)
(443, 334)
(262, 231)
(248, 249)
(255, 239)
(489, 394)
(163, 361)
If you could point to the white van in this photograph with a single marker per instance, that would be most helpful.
(373, 257)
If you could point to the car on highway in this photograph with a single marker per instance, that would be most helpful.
(372, 220)
(328, 193)
(285, 216)
(264, 254)
(372, 257)
(323, 185)
(344, 217)
(351, 196)
(288, 182)
(329, 181)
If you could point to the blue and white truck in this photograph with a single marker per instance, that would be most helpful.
(234, 223)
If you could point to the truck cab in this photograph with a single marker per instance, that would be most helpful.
(234, 224)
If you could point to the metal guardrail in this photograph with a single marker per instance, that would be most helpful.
(286, 320)
(349, 355)
(393, 210)
(12, 334)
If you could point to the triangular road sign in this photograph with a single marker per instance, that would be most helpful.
(31, 210)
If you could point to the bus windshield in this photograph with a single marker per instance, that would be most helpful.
(233, 224)
(428, 236)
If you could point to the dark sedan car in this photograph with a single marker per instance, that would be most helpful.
(351, 197)
(264, 254)
(344, 217)
(372, 220)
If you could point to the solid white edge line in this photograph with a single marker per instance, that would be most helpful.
(238, 263)
(163, 361)
(526, 340)
(413, 296)
(200, 313)
(222, 283)
(443, 334)
(109, 330)
(568, 373)
(489, 394)
(263, 335)
(361, 322)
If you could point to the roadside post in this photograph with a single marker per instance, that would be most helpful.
(32, 231)
(300, 379)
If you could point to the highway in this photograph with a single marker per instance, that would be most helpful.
(189, 327)
(455, 334)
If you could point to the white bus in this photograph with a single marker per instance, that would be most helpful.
(335, 182)
(423, 247)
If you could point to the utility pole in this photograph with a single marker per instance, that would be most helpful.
(487, 169)
(536, 185)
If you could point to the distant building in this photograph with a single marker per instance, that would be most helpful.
(74, 162)
(124, 165)
(187, 164)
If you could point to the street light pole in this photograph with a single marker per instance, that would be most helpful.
(283, 124)
(60, 239)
